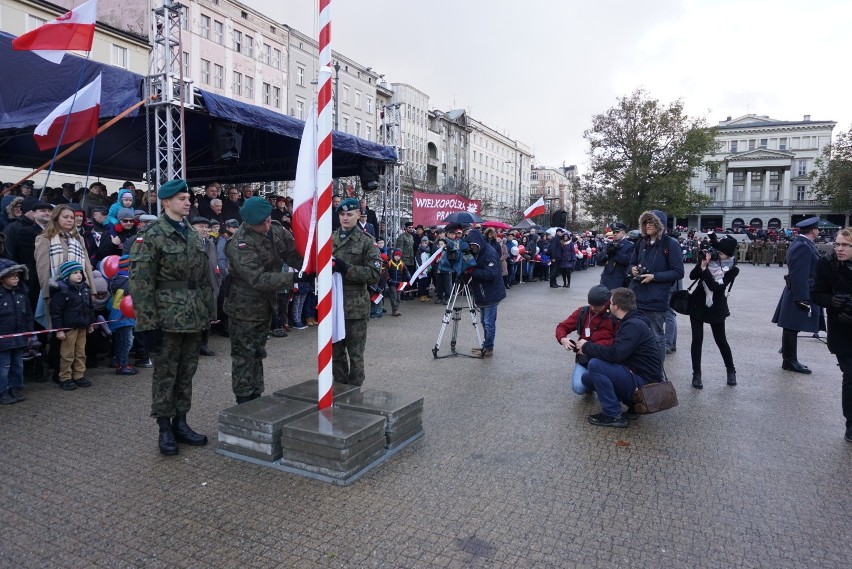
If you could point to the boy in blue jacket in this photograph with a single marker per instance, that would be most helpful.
(15, 316)
(71, 307)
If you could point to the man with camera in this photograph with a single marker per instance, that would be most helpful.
(486, 285)
(832, 289)
(656, 265)
(616, 257)
(632, 361)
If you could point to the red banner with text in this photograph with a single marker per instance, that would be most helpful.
(431, 209)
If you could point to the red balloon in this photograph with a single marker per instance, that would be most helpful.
(594, 250)
(521, 249)
(109, 266)
(126, 307)
(538, 257)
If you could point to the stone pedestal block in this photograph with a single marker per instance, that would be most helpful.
(308, 391)
(403, 412)
(254, 428)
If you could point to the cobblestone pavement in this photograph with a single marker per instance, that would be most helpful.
(509, 474)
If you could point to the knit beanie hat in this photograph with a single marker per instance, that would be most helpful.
(255, 210)
(68, 267)
(124, 263)
(100, 283)
(599, 295)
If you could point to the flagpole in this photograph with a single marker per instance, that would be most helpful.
(323, 235)
(80, 143)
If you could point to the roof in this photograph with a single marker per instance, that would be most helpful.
(270, 140)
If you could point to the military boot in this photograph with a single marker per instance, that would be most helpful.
(184, 434)
(696, 380)
(243, 399)
(789, 352)
(168, 444)
(732, 377)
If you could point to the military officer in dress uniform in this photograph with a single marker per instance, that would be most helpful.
(255, 254)
(794, 312)
(356, 258)
(174, 304)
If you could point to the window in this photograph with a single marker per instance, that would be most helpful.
(248, 48)
(205, 27)
(369, 134)
(345, 123)
(218, 32)
(266, 54)
(533, 175)
(764, 143)
(801, 193)
(267, 94)
(276, 97)
(205, 71)
(712, 192)
(300, 76)
(782, 144)
(185, 64)
(358, 128)
(345, 98)
(547, 175)
(184, 17)
(218, 76)
(238, 41)
(300, 108)
(733, 146)
(118, 56)
(369, 104)
(34, 22)
(803, 168)
(248, 89)
(806, 142)
(237, 85)
(357, 99)
(276, 58)
(751, 144)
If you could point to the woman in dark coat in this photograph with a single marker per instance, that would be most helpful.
(708, 304)
(566, 260)
(832, 289)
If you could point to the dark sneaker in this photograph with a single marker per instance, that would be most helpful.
(601, 420)
(7, 398)
(482, 352)
(127, 370)
(630, 414)
(146, 363)
(82, 382)
(17, 393)
(278, 333)
(67, 385)
(300, 326)
(205, 351)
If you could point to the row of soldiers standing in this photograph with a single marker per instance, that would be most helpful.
(763, 252)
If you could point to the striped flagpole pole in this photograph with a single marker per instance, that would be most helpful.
(323, 240)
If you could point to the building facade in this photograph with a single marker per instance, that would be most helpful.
(760, 174)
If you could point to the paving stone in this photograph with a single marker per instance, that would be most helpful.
(352, 464)
(263, 448)
(393, 406)
(327, 451)
(308, 391)
(337, 428)
(249, 434)
(266, 414)
(334, 473)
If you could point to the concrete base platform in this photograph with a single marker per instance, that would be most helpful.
(255, 427)
(403, 412)
(308, 391)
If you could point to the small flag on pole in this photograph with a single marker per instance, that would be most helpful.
(74, 30)
(81, 111)
(435, 256)
(377, 297)
(537, 208)
(401, 286)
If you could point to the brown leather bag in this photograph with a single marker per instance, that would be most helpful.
(654, 397)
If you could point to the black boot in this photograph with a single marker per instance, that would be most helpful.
(168, 444)
(696, 380)
(185, 435)
(243, 399)
(789, 352)
(732, 377)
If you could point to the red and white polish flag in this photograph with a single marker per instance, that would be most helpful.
(81, 111)
(401, 286)
(435, 256)
(74, 30)
(304, 219)
(377, 297)
(537, 208)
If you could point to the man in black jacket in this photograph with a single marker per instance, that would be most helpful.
(616, 258)
(554, 249)
(631, 361)
(20, 241)
(486, 285)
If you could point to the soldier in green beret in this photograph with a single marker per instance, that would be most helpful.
(356, 258)
(255, 254)
(174, 304)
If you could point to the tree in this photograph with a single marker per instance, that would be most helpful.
(642, 155)
(833, 173)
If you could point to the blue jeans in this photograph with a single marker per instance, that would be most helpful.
(513, 269)
(577, 379)
(657, 322)
(488, 317)
(671, 329)
(11, 369)
(613, 383)
(122, 341)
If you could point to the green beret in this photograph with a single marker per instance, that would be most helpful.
(349, 204)
(255, 210)
(171, 188)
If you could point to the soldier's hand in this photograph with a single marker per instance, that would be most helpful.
(839, 300)
(152, 340)
(339, 266)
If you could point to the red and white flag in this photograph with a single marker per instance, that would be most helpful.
(304, 218)
(537, 208)
(81, 111)
(376, 297)
(401, 286)
(435, 256)
(74, 30)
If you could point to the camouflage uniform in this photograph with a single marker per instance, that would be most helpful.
(171, 293)
(254, 268)
(365, 266)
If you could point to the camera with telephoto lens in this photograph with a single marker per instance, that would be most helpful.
(714, 254)
(642, 271)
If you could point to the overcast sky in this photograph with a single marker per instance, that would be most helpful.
(537, 70)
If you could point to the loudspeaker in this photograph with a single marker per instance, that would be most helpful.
(370, 172)
(559, 218)
(226, 141)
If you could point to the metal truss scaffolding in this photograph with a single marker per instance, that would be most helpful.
(392, 199)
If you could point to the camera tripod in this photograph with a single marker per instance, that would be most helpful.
(453, 312)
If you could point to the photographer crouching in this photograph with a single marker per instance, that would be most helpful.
(832, 289)
(485, 281)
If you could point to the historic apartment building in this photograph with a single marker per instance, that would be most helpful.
(761, 174)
